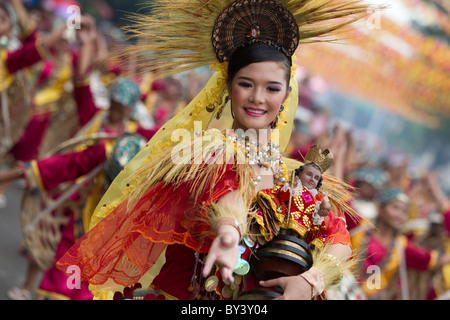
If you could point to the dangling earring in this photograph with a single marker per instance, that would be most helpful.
(232, 113)
(220, 111)
(274, 123)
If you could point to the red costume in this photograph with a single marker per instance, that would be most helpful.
(275, 202)
(49, 174)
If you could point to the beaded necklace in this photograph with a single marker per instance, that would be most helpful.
(267, 156)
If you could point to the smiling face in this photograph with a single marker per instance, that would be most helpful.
(257, 92)
(394, 214)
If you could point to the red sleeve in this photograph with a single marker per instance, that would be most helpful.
(68, 167)
(82, 93)
(419, 258)
(30, 35)
(447, 221)
(29, 54)
(197, 222)
(352, 222)
(147, 133)
(85, 103)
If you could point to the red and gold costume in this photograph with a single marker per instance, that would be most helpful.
(274, 204)
(44, 176)
(52, 171)
(71, 218)
(16, 84)
(388, 260)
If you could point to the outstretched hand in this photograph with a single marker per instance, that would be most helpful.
(224, 253)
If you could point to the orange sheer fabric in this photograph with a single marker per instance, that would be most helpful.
(125, 245)
(337, 230)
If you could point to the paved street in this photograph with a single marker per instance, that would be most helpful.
(12, 266)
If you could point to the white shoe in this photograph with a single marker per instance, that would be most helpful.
(16, 293)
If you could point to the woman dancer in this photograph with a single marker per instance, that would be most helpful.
(191, 199)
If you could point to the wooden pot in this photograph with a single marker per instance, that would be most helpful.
(284, 256)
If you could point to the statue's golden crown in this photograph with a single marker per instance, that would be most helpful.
(322, 159)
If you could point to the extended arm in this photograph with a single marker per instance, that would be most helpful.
(228, 222)
(11, 175)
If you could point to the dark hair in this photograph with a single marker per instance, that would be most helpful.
(300, 169)
(257, 52)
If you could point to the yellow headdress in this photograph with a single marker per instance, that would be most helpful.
(180, 35)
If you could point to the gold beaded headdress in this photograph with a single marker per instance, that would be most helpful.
(322, 159)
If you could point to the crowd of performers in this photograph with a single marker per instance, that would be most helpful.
(403, 233)
(73, 114)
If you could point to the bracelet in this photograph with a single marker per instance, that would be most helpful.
(230, 222)
(315, 278)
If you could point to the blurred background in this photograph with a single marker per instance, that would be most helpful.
(378, 98)
(389, 83)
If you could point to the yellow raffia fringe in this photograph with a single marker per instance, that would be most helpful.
(233, 210)
(204, 160)
(175, 35)
(331, 267)
(138, 168)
